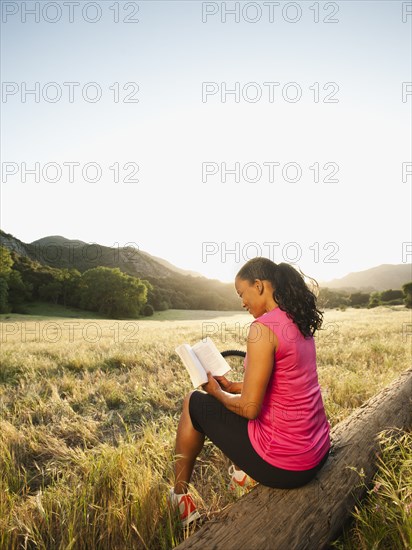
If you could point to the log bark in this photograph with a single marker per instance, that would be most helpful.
(309, 517)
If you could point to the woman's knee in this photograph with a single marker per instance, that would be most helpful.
(186, 400)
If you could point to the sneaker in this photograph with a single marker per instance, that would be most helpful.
(239, 479)
(187, 508)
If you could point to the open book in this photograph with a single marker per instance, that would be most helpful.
(201, 358)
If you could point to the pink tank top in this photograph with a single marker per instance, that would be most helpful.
(291, 431)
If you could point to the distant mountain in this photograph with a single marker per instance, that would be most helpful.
(382, 277)
(172, 267)
(172, 286)
(57, 251)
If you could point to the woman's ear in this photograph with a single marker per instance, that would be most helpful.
(259, 285)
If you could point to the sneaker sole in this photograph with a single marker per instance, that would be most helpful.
(193, 517)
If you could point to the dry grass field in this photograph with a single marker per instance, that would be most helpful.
(89, 410)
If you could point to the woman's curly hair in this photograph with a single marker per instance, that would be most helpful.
(291, 292)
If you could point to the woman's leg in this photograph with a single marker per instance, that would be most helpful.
(189, 443)
(229, 432)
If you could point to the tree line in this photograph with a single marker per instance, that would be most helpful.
(113, 293)
(340, 299)
(106, 290)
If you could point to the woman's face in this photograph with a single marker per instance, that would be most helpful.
(252, 300)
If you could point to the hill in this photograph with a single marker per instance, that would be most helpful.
(382, 277)
(172, 287)
(177, 287)
(57, 251)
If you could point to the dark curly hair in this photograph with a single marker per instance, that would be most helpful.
(291, 292)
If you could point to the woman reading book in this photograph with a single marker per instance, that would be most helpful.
(273, 425)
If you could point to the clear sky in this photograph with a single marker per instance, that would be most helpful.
(308, 160)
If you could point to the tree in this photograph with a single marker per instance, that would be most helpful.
(51, 291)
(34, 275)
(328, 298)
(374, 299)
(389, 295)
(111, 292)
(158, 298)
(148, 310)
(178, 300)
(359, 299)
(19, 291)
(4, 292)
(70, 280)
(407, 290)
(6, 262)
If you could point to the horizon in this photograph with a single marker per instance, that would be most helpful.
(319, 281)
(207, 136)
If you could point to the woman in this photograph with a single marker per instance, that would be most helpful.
(272, 425)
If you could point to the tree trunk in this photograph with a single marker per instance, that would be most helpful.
(313, 515)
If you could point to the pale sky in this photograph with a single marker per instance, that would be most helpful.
(311, 102)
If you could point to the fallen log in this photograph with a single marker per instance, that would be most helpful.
(309, 517)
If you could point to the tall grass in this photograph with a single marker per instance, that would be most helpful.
(384, 517)
(89, 411)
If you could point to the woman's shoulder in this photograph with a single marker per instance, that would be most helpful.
(274, 314)
(281, 324)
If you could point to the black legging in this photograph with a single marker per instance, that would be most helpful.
(229, 432)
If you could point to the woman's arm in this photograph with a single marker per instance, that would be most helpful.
(236, 387)
(261, 347)
(227, 385)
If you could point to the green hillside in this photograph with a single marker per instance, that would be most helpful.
(55, 257)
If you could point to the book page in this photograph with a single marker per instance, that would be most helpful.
(211, 358)
(197, 373)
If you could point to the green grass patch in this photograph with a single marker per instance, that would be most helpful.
(45, 310)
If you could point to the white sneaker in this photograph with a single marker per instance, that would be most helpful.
(187, 508)
(239, 479)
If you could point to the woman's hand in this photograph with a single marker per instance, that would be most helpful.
(224, 383)
(212, 386)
